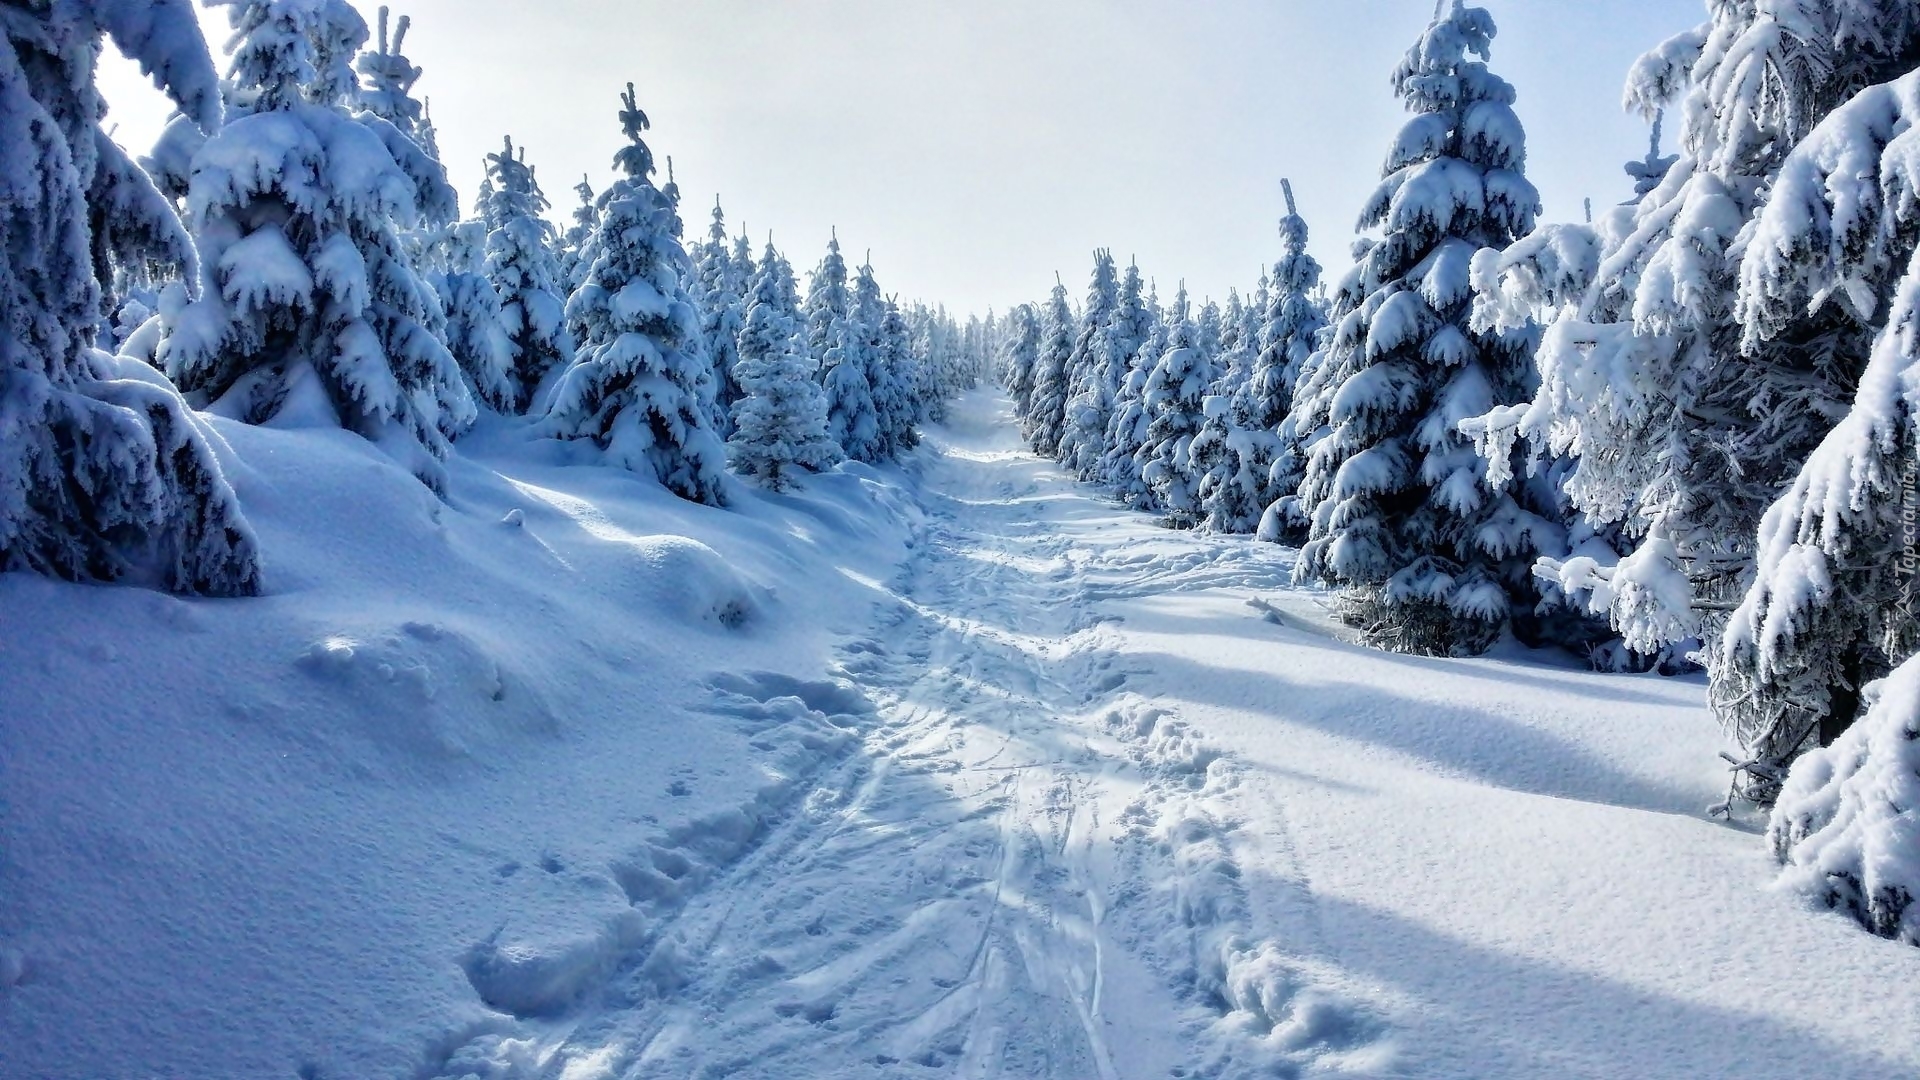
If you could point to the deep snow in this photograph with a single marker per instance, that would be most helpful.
(949, 770)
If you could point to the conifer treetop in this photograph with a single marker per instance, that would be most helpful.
(634, 159)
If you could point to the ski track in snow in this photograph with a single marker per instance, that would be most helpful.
(1009, 866)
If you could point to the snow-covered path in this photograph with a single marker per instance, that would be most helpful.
(1111, 802)
(1021, 870)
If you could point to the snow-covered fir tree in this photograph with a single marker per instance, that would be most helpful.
(1021, 352)
(524, 269)
(1047, 406)
(1228, 459)
(1648, 172)
(780, 421)
(1207, 336)
(1127, 433)
(1433, 553)
(1684, 421)
(929, 354)
(788, 291)
(1175, 403)
(311, 306)
(1237, 348)
(743, 265)
(574, 258)
(716, 291)
(1291, 332)
(387, 93)
(1083, 434)
(633, 387)
(465, 317)
(852, 419)
(104, 472)
(828, 306)
(896, 384)
(1836, 592)
(1249, 466)
(477, 330)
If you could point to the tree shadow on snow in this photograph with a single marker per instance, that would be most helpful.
(1494, 1013)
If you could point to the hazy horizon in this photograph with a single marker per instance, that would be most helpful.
(976, 152)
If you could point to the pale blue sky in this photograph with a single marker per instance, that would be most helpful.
(976, 146)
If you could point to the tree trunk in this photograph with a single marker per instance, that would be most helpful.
(1843, 704)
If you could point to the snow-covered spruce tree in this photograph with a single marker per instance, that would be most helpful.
(716, 291)
(1237, 350)
(633, 387)
(828, 305)
(926, 350)
(1434, 556)
(1834, 600)
(780, 422)
(1291, 333)
(1228, 459)
(743, 264)
(896, 384)
(1648, 172)
(446, 252)
(1175, 400)
(1126, 332)
(851, 417)
(1127, 433)
(104, 472)
(311, 304)
(387, 94)
(574, 257)
(788, 291)
(1047, 408)
(477, 331)
(1683, 426)
(1249, 465)
(1207, 326)
(1847, 822)
(524, 270)
(1253, 329)
(1083, 434)
(1129, 329)
(1021, 352)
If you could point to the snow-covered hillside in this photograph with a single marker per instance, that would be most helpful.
(950, 769)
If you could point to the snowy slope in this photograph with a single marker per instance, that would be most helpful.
(323, 829)
(952, 772)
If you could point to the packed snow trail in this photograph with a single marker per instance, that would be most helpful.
(1021, 870)
(1100, 801)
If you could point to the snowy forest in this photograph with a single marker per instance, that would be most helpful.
(448, 634)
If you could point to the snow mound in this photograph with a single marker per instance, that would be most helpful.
(694, 584)
(542, 978)
(421, 688)
(1847, 823)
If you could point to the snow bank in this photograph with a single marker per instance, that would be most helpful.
(460, 760)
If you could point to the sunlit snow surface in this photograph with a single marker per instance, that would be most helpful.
(954, 770)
